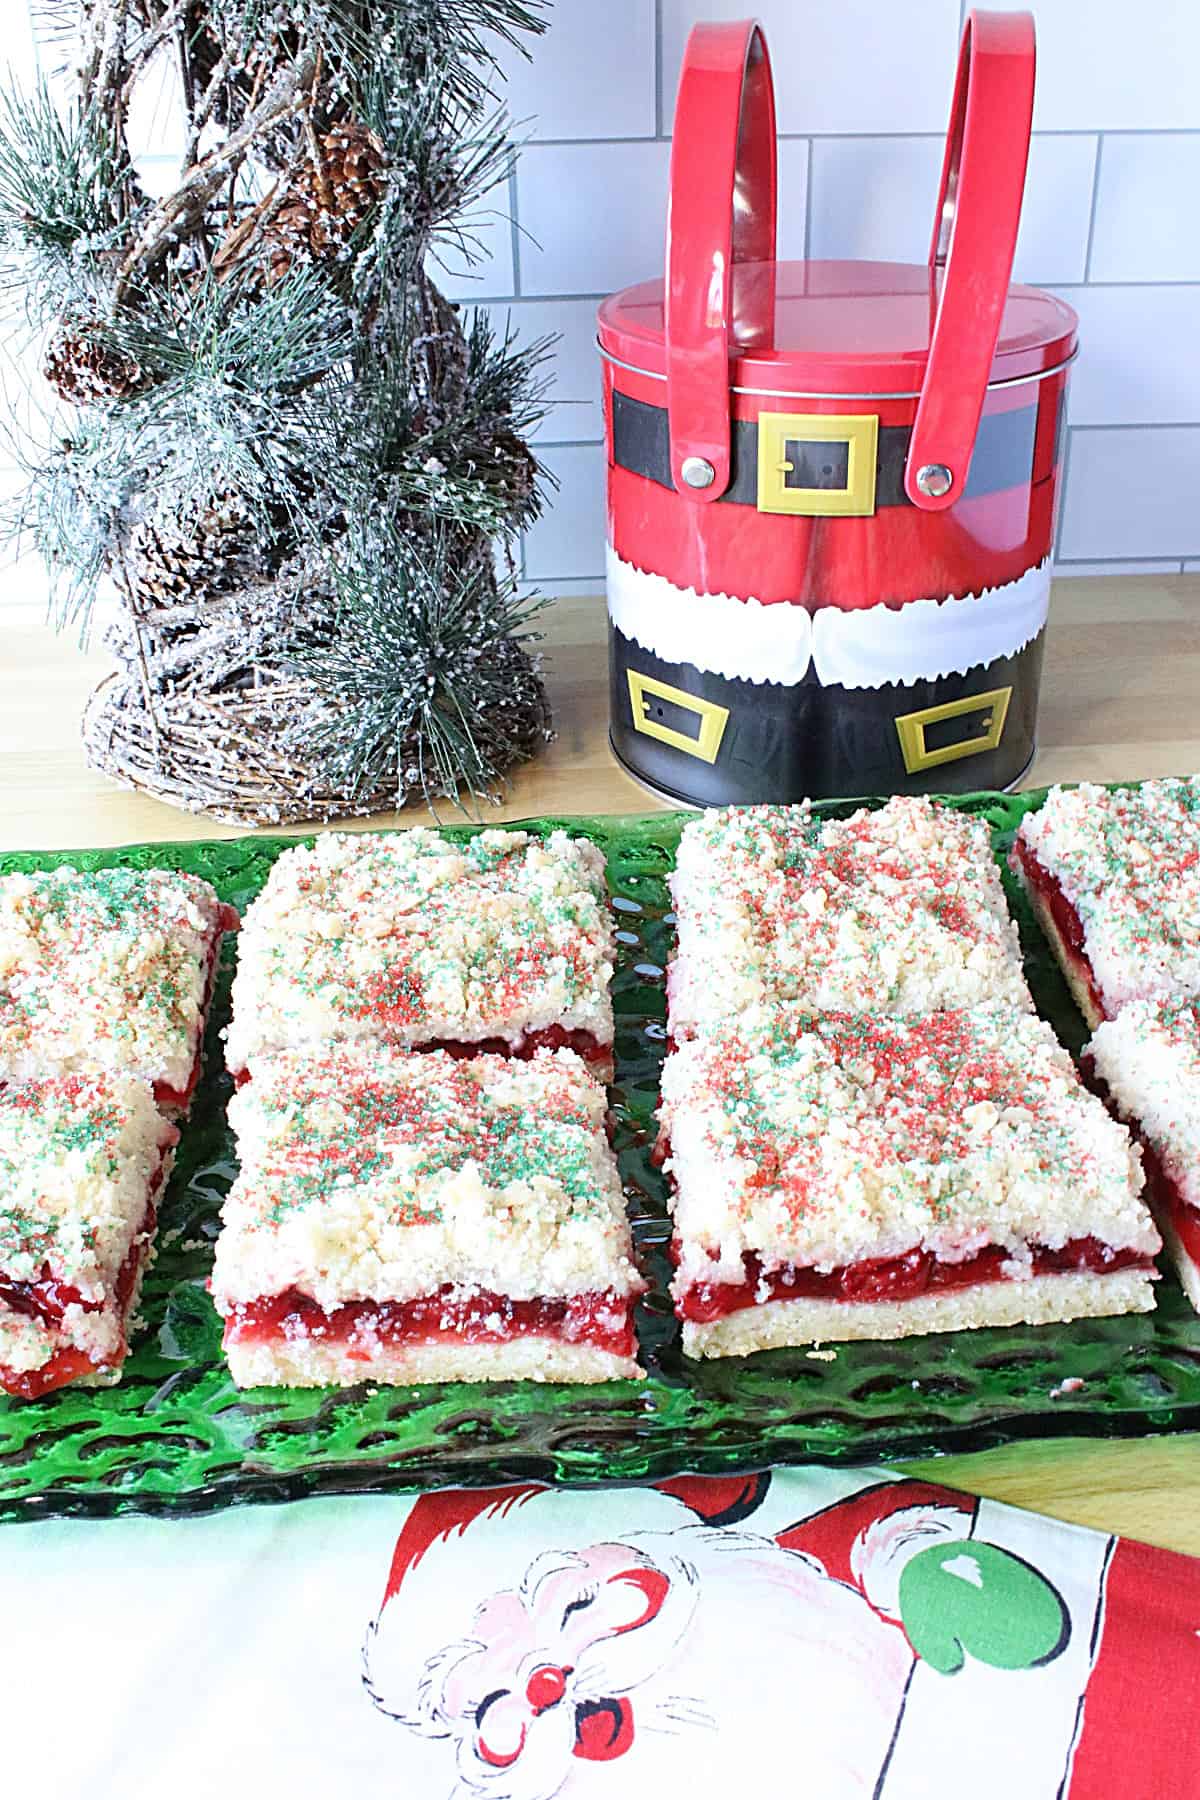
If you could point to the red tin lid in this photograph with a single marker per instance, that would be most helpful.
(839, 328)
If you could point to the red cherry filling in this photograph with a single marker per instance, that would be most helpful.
(598, 1056)
(48, 1299)
(1163, 1192)
(894, 1278)
(602, 1320)
(1066, 919)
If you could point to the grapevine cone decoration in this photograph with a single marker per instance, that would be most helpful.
(301, 467)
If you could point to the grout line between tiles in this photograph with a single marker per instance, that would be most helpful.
(575, 143)
(1144, 425)
(1068, 562)
(1090, 286)
(1091, 236)
(1063, 491)
(514, 227)
(659, 106)
(808, 200)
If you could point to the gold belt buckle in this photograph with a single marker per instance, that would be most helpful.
(712, 718)
(781, 441)
(911, 728)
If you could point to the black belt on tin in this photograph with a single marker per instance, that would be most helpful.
(1003, 456)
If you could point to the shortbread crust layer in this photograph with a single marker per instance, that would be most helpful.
(1038, 1300)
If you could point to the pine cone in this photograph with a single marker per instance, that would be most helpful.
(208, 551)
(85, 370)
(323, 210)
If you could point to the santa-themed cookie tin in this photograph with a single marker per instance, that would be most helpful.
(832, 485)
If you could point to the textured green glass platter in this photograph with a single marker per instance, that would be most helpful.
(177, 1436)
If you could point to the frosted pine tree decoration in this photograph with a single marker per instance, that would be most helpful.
(301, 466)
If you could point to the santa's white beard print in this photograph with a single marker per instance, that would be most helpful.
(711, 1659)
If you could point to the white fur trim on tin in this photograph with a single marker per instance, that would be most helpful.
(743, 640)
(747, 641)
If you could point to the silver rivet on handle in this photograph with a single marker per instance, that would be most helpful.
(696, 472)
(935, 479)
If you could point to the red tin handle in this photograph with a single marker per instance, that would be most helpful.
(721, 212)
(971, 257)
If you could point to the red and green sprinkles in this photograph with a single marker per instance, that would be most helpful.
(895, 1094)
(1129, 862)
(42, 1124)
(82, 958)
(496, 929)
(336, 1117)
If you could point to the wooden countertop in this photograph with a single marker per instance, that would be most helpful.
(1120, 693)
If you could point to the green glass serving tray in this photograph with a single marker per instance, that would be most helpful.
(177, 1436)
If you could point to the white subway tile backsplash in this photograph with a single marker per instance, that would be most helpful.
(593, 216)
(874, 197)
(1148, 206)
(1137, 362)
(478, 262)
(859, 66)
(567, 542)
(793, 178)
(1132, 493)
(1107, 65)
(579, 587)
(1052, 242)
(575, 413)
(592, 74)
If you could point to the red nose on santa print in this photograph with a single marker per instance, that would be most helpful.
(832, 485)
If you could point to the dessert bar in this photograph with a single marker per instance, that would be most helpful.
(501, 942)
(108, 969)
(899, 910)
(1114, 879)
(406, 1218)
(82, 1161)
(1146, 1062)
(848, 1176)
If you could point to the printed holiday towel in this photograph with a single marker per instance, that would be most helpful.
(824, 1633)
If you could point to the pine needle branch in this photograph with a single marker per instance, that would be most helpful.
(421, 676)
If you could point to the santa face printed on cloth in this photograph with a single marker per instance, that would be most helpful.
(714, 1643)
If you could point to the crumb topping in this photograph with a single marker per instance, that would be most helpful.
(105, 969)
(1129, 863)
(1149, 1056)
(899, 911)
(78, 1155)
(411, 938)
(825, 1141)
(369, 1174)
